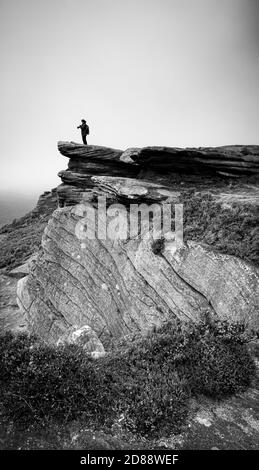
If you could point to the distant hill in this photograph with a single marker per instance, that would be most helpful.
(13, 206)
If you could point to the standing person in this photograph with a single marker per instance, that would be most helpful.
(84, 130)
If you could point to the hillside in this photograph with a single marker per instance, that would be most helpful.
(73, 273)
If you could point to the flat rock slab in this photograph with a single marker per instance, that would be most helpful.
(135, 190)
(74, 150)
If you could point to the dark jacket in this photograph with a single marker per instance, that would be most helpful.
(84, 129)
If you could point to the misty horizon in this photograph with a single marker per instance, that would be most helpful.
(15, 205)
(142, 73)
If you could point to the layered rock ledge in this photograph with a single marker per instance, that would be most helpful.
(150, 164)
(235, 159)
(229, 160)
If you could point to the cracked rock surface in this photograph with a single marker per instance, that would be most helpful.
(119, 287)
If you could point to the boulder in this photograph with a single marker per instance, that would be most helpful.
(85, 337)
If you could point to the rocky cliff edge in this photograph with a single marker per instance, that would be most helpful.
(123, 286)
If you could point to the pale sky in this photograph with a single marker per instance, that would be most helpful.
(141, 72)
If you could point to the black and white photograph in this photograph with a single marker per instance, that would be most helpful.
(129, 232)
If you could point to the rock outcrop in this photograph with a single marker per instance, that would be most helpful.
(84, 287)
(235, 159)
(87, 162)
(118, 286)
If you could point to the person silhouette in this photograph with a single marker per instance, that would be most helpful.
(84, 130)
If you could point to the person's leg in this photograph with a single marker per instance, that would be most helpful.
(84, 139)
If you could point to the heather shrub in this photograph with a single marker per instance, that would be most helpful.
(216, 361)
(145, 384)
(40, 381)
(158, 246)
(231, 229)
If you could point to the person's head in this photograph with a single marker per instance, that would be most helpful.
(83, 121)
